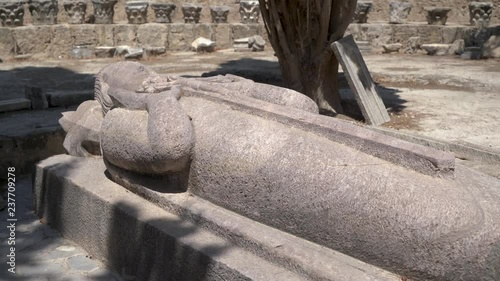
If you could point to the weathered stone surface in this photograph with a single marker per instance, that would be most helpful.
(82, 129)
(32, 39)
(84, 35)
(437, 15)
(399, 11)
(378, 35)
(480, 13)
(204, 30)
(403, 32)
(392, 48)
(6, 42)
(219, 13)
(436, 49)
(430, 34)
(457, 48)
(472, 53)
(363, 8)
(191, 13)
(134, 53)
(137, 11)
(104, 34)
(223, 36)
(491, 49)
(62, 41)
(245, 30)
(252, 44)
(82, 52)
(76, 10)
(163, 12)
(152, 34)
(14, 104)
(154, 51)
(125, 34)
(249, 11)
(121, 50)
(202, 44)
(180, 37)
(104, 52)
(43, 12)
(36, 96)
(104, 11)
(12, 13)
(452, 33)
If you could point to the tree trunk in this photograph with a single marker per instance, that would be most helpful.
(301, 32)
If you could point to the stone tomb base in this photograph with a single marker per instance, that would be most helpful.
(180, 236)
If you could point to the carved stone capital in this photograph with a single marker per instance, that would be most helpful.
(219, 14)
(437, 15)
(249, 11)
(12, 13)
(43, 11)
(480, 13)
(399, 11)
(137, 11)
(104, 11)
(191, 13)
(163, 12)
(362, 10)
(76, 10)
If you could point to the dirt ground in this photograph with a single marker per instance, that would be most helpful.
(445, 98)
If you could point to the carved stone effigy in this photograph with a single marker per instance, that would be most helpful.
(437, 15)
(362, 10)
(12, 13)
(43, 12)
(264, 152)
(163, 12)
(480, 13)
(219, 14)
(76, 10)
(137, 11)
(104, 11)
(399, 11)
(191, 13)
(249, 11)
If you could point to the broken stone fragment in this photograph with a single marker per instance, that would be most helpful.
(436, 49)
(491, 48)
(81, 52)
(203, 44)
(413, 45)
(472, 53)
(104, 52)
(399, 11)
(154, 51)
(134, 53)
(392, 48)
(457, 48)
(252, 44)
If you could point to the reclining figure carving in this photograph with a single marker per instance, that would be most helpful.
(264, 152)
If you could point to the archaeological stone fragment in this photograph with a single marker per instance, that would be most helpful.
(76, 10)
(399, 11)
(219, 14)
(203, 44)
(252, 44)
(363, 8)
(491, 48)
(480, 13)
(137, 11)
(163, 12)
(12, 13)
(249, 11)
(43, 12)
(392, 48)
(104, 11)
(191, 13)
(265, 152)
(437, 15)
(436, 49)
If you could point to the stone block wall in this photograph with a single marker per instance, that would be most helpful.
(57, 41)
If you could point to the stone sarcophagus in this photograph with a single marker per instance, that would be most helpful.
(219, 14)
(265, 153)
(137, 11)
(44, 12)
(163, 12)
(249, 11)
(191, 13)
(12, 13)
(76, 10)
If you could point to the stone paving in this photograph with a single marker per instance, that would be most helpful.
(41, 253)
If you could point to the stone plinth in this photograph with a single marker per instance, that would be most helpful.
(219, 14)
(362, 10)
(163, 12)
(76, 10)
(137, 11)
(437, 15)
(44, 12)
(249, 11)
(191, 13)
(104, 11)
(12, 13)
(480, 13)
(399, 11)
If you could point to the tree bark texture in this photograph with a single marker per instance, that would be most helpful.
(301, 32)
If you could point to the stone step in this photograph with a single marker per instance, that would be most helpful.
(14, 104)
(67, 98)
